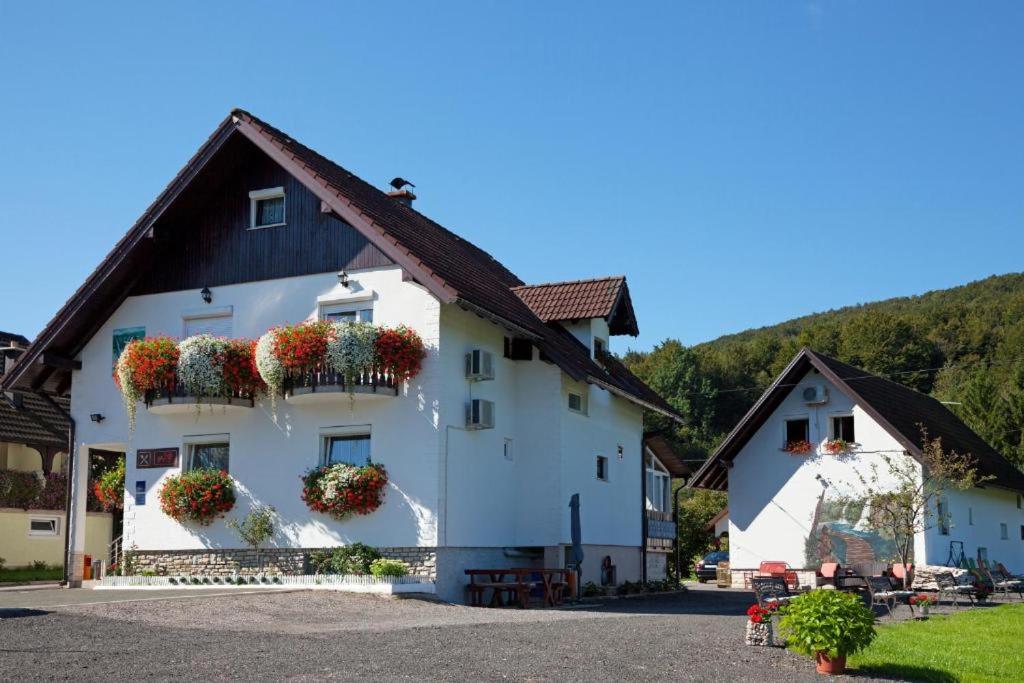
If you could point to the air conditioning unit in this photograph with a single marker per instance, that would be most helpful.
(816, 394)
(480, 414)
(479, 365)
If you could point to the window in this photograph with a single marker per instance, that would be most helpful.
(217, 324)
(1004, 532)
(207, 452)
(942, 513)
(599, 347)
(602, 468)
(350, 449)
(983, 554)
(43, 526)
(577, 404)
(361, 312)
(266, 208)
(798, 429)
(508, 449)
(657, 490)
(970, 516)
(842, 428)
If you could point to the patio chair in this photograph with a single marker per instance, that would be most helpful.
(949, 587)
(1006, 573)
(1001, 583)
(780, 570)
(882, 593)
(770, 590)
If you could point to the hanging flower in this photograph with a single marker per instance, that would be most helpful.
(238, 364)
(197, 495)
(341, 489)
(109, 488)
(302, 347)
(145, 365)
(401, 352)
(199, 365)
(351, 350)
(837, 446)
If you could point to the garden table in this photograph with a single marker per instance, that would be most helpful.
(518, 583)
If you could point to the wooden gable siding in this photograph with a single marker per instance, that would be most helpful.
(204, 240)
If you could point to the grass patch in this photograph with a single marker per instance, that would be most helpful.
(982, 644)
(20, 574)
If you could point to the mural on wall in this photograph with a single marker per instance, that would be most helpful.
(122, 336)
(839, 533)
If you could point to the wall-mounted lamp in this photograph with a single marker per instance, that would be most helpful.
(206, 294)
(343, 279)
(621, 451)
(97, 417)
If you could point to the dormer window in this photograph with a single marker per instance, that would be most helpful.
(599, 347)
(266, 208)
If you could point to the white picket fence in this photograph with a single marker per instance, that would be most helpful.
(351, 583)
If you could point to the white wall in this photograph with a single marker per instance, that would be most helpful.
(975, 517)
(267, 458)
(773, 494)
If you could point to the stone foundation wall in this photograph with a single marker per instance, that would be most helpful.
(290, 561)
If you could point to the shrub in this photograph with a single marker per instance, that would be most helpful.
(109, 488)
(145, 365)
(256, 528)
(354, 558)
(829, 621)
(3, 561)
(401, 352)
(388, 567)
(39, 566)
(198, 495)
(591, 590)
(341, 489)
(19, 489)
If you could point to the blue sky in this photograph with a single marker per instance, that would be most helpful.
(741, 163)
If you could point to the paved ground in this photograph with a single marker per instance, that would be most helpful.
(306, 635)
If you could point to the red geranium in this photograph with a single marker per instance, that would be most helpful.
(238, 363)
(302, 347)
(198, 495)
(149, 364)
(760, 614)
(799, 447)
(401, 352)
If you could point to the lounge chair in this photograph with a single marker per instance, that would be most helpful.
(882, 593)
(770, 590)
(1002, 583)
(949, 587)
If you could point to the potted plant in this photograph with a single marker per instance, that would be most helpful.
(145, 365)
(351, 350)
(341, 489)
(923, 601)
(837, 446)
(827, 625)
(759, 625)
(199, 495)
(109, 488)
(401, 352)
(982, 591)
(799, 447)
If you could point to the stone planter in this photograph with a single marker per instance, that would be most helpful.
(760, 634)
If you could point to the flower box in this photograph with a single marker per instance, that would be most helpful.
(178, 399)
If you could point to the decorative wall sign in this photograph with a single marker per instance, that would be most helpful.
(122, 336)
(156, 457)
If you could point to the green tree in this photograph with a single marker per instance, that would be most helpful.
(884, 344)
(255, 529)
(696, 508)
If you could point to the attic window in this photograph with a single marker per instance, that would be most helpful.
(266, 208)
(842, 428)
(599, 347)
(798, 429)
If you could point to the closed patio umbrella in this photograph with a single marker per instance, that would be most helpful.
(577, 534)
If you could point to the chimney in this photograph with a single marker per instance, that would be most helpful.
(402, 196)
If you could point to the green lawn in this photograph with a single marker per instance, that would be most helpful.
(19, 574)
(981, 644)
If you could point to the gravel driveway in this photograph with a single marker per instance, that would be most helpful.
(306, 635)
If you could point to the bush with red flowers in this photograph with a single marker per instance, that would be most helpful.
(302, 347)
(401, 352)
(922, 599)
(341, 489)
(238, 363)
(758, 614)
(197, 495)
(109, 488)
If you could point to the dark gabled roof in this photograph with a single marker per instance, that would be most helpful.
(606, 297)
(7, 337)
(451, 268)
(898, 409)
(27, 419)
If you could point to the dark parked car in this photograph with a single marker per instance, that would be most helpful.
(708, 565)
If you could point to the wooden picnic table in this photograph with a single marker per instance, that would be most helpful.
(518, 585)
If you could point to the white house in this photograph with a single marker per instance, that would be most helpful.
(784, 501)
(257, 231)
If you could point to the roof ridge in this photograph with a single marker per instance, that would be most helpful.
(607, 278)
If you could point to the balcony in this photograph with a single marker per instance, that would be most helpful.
(661, 529)
(179, 400)
(324, 386)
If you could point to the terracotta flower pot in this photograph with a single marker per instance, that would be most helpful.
(830, 665)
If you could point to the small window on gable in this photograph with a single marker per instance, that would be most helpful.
(219, 325)
(602, 468)
(798, 429)
(577, 403)
(599, 347)
(357, 312)
(842, 428)
(1004, 531)
(266, 208)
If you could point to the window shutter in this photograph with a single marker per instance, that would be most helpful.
(217, 326)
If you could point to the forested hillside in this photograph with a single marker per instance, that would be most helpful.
(964, 344)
